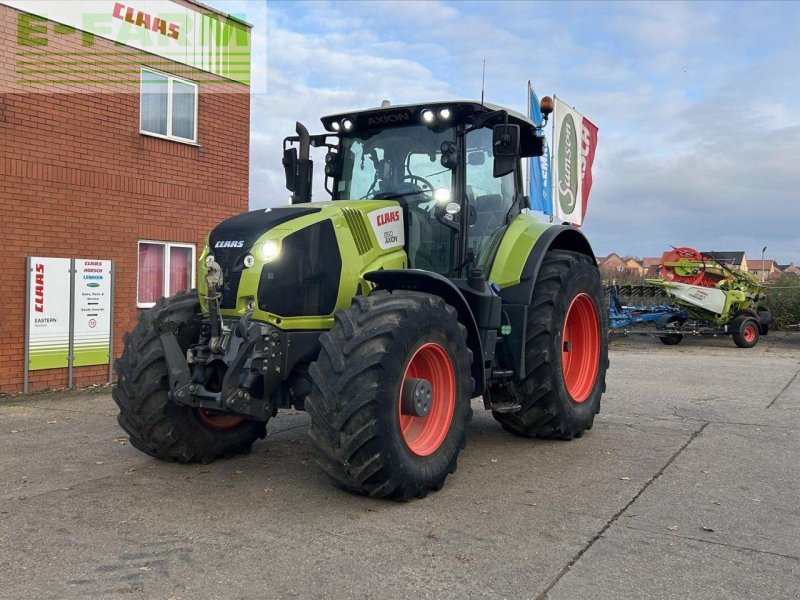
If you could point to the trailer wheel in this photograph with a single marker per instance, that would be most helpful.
(672, 339)
(566, 352)
(156, 425)
(390, 395)
(746, 332)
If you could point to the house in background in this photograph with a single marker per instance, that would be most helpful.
(611, 264)
(633, 266)
(650, 265)
(790, 268)
(730, 259)
(763, 269)
(614, 265)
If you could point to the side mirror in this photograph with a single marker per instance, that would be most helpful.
(505, 142)
(290, 167)
(298, 166)
(299, 173)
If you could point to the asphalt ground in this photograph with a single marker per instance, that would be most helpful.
(688, 486)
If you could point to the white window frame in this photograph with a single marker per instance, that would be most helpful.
(171, 79)
(167, 247)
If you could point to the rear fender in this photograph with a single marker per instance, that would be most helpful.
(433, 283)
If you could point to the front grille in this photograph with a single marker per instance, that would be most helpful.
(304, 279)
(230, 261)
(358, 229)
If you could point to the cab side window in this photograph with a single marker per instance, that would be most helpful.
(490, 198)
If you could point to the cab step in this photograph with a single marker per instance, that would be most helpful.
(502, 374)
(506, 407)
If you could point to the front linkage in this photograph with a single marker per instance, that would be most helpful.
(254, 357)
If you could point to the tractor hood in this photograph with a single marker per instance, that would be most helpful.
(236, 237)
(294, 263)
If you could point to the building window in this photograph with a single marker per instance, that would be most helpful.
(164, 269)
(168, 106)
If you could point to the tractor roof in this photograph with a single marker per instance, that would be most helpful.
(409, 114)
(460, 108)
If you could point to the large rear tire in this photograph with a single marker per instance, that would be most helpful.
(368, 437)
(156, 425)
(566, 352)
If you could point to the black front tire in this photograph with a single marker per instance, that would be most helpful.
(548, 409)
(156, 425)
(355, 397)
(672, 339)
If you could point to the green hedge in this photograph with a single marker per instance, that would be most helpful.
(783, 300)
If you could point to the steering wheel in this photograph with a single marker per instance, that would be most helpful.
(417, 180)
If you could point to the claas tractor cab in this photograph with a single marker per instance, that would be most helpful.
(422, 283)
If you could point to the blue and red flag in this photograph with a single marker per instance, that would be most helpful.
(539, 166)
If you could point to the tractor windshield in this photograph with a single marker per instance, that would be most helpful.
(404, 163)
(393, 163)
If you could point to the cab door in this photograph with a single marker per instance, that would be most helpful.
(492, 202)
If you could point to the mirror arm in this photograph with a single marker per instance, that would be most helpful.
(485, 118)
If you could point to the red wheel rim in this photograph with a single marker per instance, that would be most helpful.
(749, 333)
(580, 349)
(424, 435)
(219, 421)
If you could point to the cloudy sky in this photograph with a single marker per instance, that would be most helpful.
(698, 103)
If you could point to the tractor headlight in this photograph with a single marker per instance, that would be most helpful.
(270, 250)
(249, 260)
(427, 116)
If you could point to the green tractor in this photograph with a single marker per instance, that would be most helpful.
(422, 283)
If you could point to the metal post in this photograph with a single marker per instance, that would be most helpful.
(763, 250)
(26, 356)
(112, 274)
(71, 342)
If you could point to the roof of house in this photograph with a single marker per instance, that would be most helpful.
(651, 261)
(758, 265)
(734, 258)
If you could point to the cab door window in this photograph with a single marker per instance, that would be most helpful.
(490, 198)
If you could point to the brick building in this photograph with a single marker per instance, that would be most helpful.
(124, 135)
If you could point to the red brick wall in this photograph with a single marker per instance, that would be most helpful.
(78, 180)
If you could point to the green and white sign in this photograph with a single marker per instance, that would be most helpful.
(91, 299)
(48, 313)
(69, 321)
(204, 40)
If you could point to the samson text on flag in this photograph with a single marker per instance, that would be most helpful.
(574, 144)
